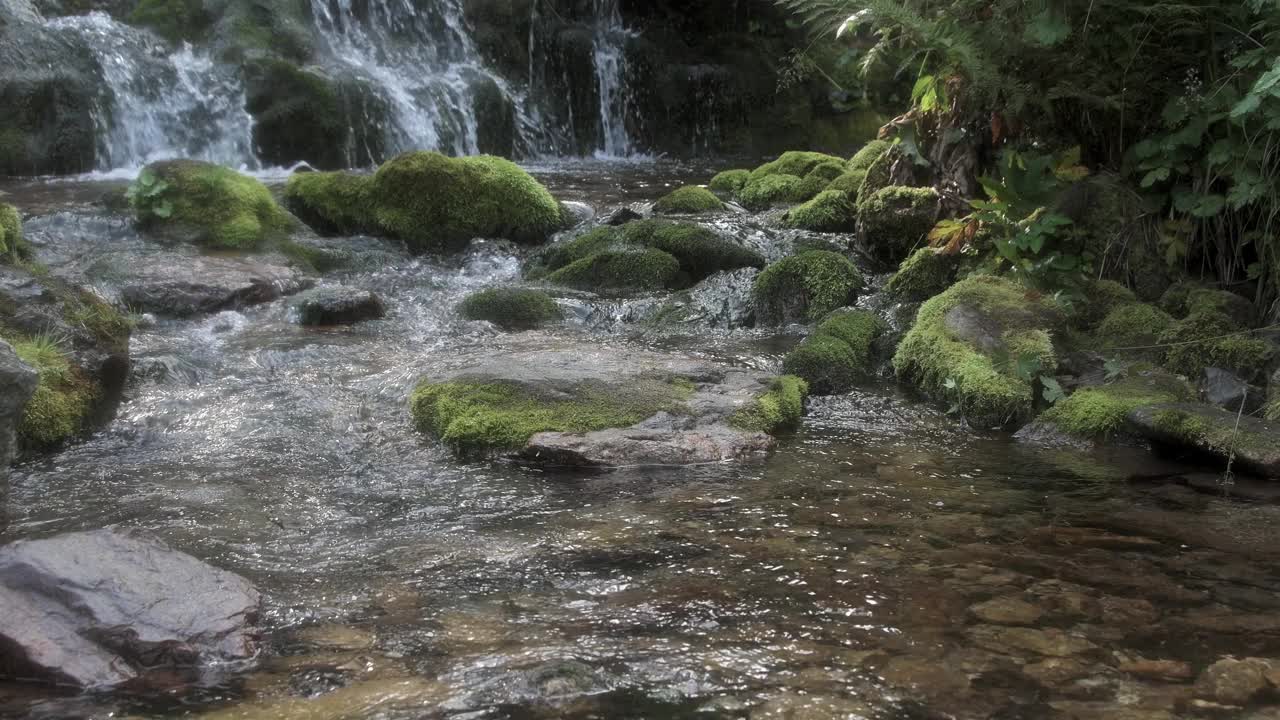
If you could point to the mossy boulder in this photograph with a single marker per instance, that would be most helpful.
(968, 343)
(778, 409)
(63, 400)
(818, 179)
(328, 306)
(1200, 431)
(868, 154)
(1132, 328)
(805, 287)
(511, 308)
(924, 273)
(1100, 412)
(1212, 339)
(332, 203)
(1189, 298)
(173, 20)
(1097, 299)
(688, 200)
(829, 211)
(896, 219)
(797, 163)
(208, 205)
(765, 192)
(849, 183)
(434, 202)
(729, 182)
(837, 353)
(641, 255)
(12, 245)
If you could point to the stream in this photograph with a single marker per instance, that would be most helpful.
(884, 562)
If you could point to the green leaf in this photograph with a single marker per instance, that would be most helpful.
(1250, 103)
(1047, 29)
(1052, 390)
(1155, 176)
(949, 383)
(1113, 369)
(1027, 366)
(163, 209)
(1175, 111)
(1208, 206)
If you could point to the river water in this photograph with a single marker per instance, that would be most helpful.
(885, 562)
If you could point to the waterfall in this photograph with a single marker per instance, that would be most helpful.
(159, 103)
(610, 65)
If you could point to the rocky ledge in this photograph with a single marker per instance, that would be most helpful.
(557, 402)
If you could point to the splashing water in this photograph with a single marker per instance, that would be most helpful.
(610, 63)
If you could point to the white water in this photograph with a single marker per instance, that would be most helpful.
(162, 104)
(610, 62)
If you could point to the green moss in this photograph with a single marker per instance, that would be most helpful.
(982, 385)
(1196, 343)
(623, 270)
(897, 218)
(778, 409)
(1194, 431)
(688, 199)
(1100, 297)
(1098, 412)
(511, 308)
(729, 182)
(922, 275)
(12, 246)
(837, 353)
(849, 183)
(830, 211)
(805, 287)
(818, 179)
(796, 162)
(879, 174)
(332, 203)
(700, 250)
(223, 208)
(174, 20)
(63, 398)
(485, 417)
(1132, 325)
(765, 192)
(865, 157)
(433, 202)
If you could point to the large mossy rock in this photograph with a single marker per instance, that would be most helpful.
(838, 353)
(332, 203)
(208, 205)
(641, 255)
(511, 308)
(555, 402)
(1212, 332)
(1197, 430)
(729, 182)
(895, 220)
(688, 200)
(798, 163)
(92, 610)
(1100, 412)
(77, 344)
(50, 92)
(968, 342)
(922, 275)
(762, 193)
(830, 211)
(806, 287)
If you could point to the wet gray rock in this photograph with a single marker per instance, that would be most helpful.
(1229, 392)
(18, 11)
(94, 609)
(1048, 434)
(338, 306)
(1006, 611)
(17, 383)
(577, 213)
(622, 216)
(722, 301)
(1208, 431)
(1049, 642)
(1234, 682)
(180, 285)
(641, 446)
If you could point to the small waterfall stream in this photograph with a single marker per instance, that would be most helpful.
(418, 57)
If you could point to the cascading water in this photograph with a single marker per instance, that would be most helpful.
(610, 64)
(160, 103)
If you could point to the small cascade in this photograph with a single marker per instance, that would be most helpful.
(160, 104)
(610, 66)
(422, 60)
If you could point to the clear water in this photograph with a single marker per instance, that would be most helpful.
(837, 580)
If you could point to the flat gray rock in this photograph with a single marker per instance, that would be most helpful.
(640, 446)
(184, 285)
(1211, 431)
(95, 609)
(338, 306)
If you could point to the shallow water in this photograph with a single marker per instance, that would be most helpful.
(843, 578)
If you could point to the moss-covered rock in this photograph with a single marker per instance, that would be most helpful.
(729, 182)
(12, 245)
(1100, 412)
(780, 408)
(881, 172)
(1189, 298)
(765, 192)
(922, 275)
(302, 115)
(849, 183)
(1098, 298)
(173, 20)
(698, 252)
(838, 352)
(829, 211)
(511, 308)
(64, 398)
(1212, 339)
(1198, 431)
(208, 204)
(434, 202)
(1132, 326)
(805, 287)
(797, 163)
(818, 179)
(485, 417)
(688, 200)
(967, 344)
(896, 219)
(868, 154)
(332, 203)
